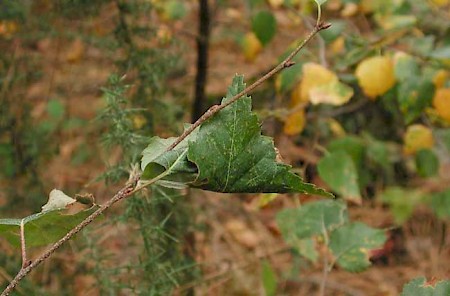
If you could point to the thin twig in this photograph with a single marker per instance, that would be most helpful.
(121, 194)
(283, 65)
(129, 188)
(23, 245)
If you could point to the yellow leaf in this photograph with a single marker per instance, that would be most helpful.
(275, 3)
(376, 75)
(417, 137)
(295, 123)
(441, 102)
(139, 121)
(440, 3)
(440, 77)
(296, 96)
(334, 93)
(338, 45)
(251, 46)
(335, 127)
(350, 9)
(314, 75)
(8, 28)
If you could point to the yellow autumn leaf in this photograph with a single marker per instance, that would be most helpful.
(417, 137)
(295, 123)
(8, 28)
(441, 102)
(440, 78)
(440, 3)
(338, 45)
(350, 9)
(251, 46)
(376, 75)
(139, 121)
(334, 93)
(314, 75)
(275, 3)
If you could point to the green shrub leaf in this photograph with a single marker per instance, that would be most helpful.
(427, 163)
(338, 170)
(232, 156)
(352, 245)
(311, 220)
(264, 26)
(420, 287)
(42, 228)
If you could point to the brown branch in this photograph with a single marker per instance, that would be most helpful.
(129, 188)
(283, 65)
(121, 194)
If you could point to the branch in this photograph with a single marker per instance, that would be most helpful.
(121, 194)
(130, 188)
(283, 65)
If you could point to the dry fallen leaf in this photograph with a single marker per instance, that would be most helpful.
(241, 233)
(76, 51)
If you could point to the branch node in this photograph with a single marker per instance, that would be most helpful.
(323, 26)
(289, 64)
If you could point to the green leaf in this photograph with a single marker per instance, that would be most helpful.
(406, 67)
(441, 53)
(420, 287)
(427, 163)
(334, 31)
(42, 228)
(55, 109)
(155, 158)
(264, 26)
(310, 220)
(269, 279)
(402, 202)
(440, 203)
(352, 245)
(352, 145)
(338, 170)
(414, 95)
(289, 77)
(232, 156)
(174, 9)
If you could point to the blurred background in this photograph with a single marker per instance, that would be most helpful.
(85, 84)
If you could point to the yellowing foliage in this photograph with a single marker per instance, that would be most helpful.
(314, 75)
(417, 137)
(275, 3)
(376, 75)
(295, 123)
(8, 28)
(251, 47)
(441, 102)
(440, 2)
(440, 78)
